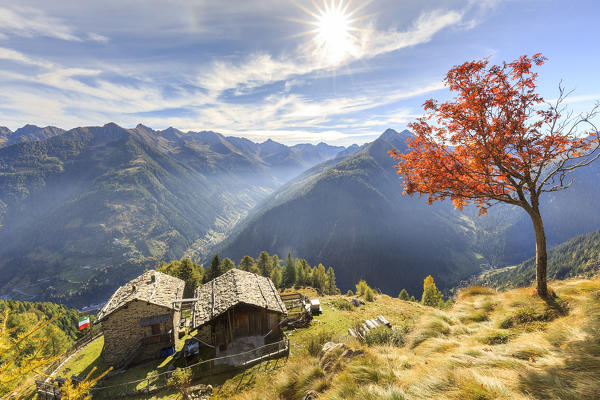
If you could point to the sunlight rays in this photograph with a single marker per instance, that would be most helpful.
(334, 38)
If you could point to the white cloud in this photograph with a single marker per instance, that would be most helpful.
(31, 22)
(13, 55)
(97, 37)
(260, 69)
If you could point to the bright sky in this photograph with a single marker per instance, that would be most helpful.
(294, 71)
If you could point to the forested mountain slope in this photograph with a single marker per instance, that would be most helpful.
(579, 256)
(85, 210)
(350, 213)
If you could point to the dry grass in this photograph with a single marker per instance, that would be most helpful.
(489, 345)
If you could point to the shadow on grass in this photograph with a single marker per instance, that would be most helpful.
(98, 364)
(577, 377)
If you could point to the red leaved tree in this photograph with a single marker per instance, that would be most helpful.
(496, 141)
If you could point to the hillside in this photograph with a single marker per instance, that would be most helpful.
(579, 256)
(83, 211)
(350, 213)
(506, 345)
(48, 341)
(488, 345)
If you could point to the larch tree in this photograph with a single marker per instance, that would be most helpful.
(497, 141)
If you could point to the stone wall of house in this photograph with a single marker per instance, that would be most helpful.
(123, 332)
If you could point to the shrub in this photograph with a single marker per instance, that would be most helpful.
(497, 337)
(316, 342)
(382, 335)
(527, 315)
(349, 293)
(403, 295)
(342, 304)
(180, 379)
(369, 295)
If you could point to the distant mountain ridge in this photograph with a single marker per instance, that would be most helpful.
(27, 133)
(86, 209)
(349, 212)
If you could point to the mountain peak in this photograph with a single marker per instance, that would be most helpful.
(27, 129)
(144, 127)
(112, 125)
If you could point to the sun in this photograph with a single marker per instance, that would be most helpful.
(334, 34)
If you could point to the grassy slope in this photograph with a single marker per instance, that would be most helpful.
(462, 353)
(489, 345)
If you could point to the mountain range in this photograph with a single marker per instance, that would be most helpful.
(350, 212)
(82, 211)
(85, 209)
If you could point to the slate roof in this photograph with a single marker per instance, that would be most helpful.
(162, 292)
(234, 287)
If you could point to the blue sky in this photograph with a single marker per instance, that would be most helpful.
(263, 69)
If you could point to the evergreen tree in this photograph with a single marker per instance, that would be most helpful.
(276, 277)
(289, 272)
(319, 277)
(431, 295)
(190, 275)
(306, 273)
(300, 278)
(403, 295)
(331, 287)
(226, 265)
(275, 263)
(213, 270)
(186, 270)
(264, 264)
(246, 263)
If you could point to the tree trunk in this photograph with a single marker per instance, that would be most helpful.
(541, 256)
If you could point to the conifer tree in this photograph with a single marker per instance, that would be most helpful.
(403, 295)
(431, 295)
(276, 277)
(246, 263)
(289, 272)
(331, 287)
(190, 275)
(264, 264)
(319, 277)
(275, 263)
(226, 265)
(213, 270)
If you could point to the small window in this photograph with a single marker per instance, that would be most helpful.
(155, 329)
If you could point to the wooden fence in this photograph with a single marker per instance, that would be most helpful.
(199, 370)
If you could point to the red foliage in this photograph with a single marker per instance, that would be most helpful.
(494, 141)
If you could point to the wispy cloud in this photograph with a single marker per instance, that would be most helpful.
(31, 22)
(16, 56)
(262, 68)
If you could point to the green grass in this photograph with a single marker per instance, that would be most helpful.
(82, 362)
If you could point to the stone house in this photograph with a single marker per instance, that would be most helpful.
(140, 320)
(238, 311)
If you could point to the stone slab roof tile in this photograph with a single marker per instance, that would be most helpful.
(161, 290)
(234, 287)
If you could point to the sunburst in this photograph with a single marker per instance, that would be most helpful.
(334, 38)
